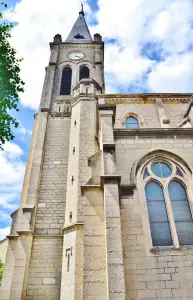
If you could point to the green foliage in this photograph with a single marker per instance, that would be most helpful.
(10, 82)
(1, 270)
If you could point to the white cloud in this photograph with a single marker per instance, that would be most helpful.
(122, 58)
(138, 24)
(173, 72)
(11, 168)
(11, 177)
(171, 29)
(134, 24)
(11, 150)
(38, 22)
(3, 232)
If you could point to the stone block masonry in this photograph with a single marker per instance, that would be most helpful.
(52, 196)
(45, 269)
(163, 276)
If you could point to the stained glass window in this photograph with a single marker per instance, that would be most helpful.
(132, 122)
(181, 212)
(159, 224)
(161, 169)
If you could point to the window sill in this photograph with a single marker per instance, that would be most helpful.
(171, 249)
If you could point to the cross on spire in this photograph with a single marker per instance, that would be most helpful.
(82, 9)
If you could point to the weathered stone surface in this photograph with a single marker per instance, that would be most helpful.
(82, 229)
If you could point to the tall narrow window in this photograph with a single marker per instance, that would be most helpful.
(159, 224)
(168, 203)
(132, 122)
(84, 72)
(181, 212)
(66, 82)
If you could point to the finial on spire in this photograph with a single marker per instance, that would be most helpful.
(82, 9)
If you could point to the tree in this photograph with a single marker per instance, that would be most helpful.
(10, 82)
(1, 270)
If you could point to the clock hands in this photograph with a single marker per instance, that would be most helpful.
(77, 56)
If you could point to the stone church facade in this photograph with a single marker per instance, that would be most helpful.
(107, 200)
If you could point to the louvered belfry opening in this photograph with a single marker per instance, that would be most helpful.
(84, 72)
(65, 88)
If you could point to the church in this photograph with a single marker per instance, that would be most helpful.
(107, 201)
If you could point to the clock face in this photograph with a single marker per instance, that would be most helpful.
(76, 55)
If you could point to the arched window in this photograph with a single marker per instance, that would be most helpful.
(167, 203)
(181, 211)
(66, 82)
(159, 224)
(132, 122)
(84, 72)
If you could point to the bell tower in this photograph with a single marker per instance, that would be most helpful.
(78, 57)
(45, 257)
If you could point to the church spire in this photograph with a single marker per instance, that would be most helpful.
(80, 32)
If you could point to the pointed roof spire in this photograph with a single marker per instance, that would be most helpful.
(80, 32)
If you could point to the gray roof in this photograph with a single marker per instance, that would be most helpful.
(80, 32)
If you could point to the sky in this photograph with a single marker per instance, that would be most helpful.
(148, 48)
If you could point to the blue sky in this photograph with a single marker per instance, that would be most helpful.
(148, 48)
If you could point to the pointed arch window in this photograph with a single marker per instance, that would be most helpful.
(132, 122)
(159, 224)
(168, 206)
(84, 72)
(66, 82)
(181, 212)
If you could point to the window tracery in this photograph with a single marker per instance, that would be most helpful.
(168, 203)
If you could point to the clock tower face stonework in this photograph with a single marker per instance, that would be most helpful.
(106, 206)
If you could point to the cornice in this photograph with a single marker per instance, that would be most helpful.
(75, 45)
(113, 99)
(146, 95)
(152, 132)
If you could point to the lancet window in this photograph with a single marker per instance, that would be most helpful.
(84, 72)
(168, 204)
(66, 81)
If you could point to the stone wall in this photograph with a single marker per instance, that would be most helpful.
(162, 274)
(148, 115)
(95, 278)
(44, 277)
(52, 196)
(129, 150)
(159, 276)
(3, 250)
